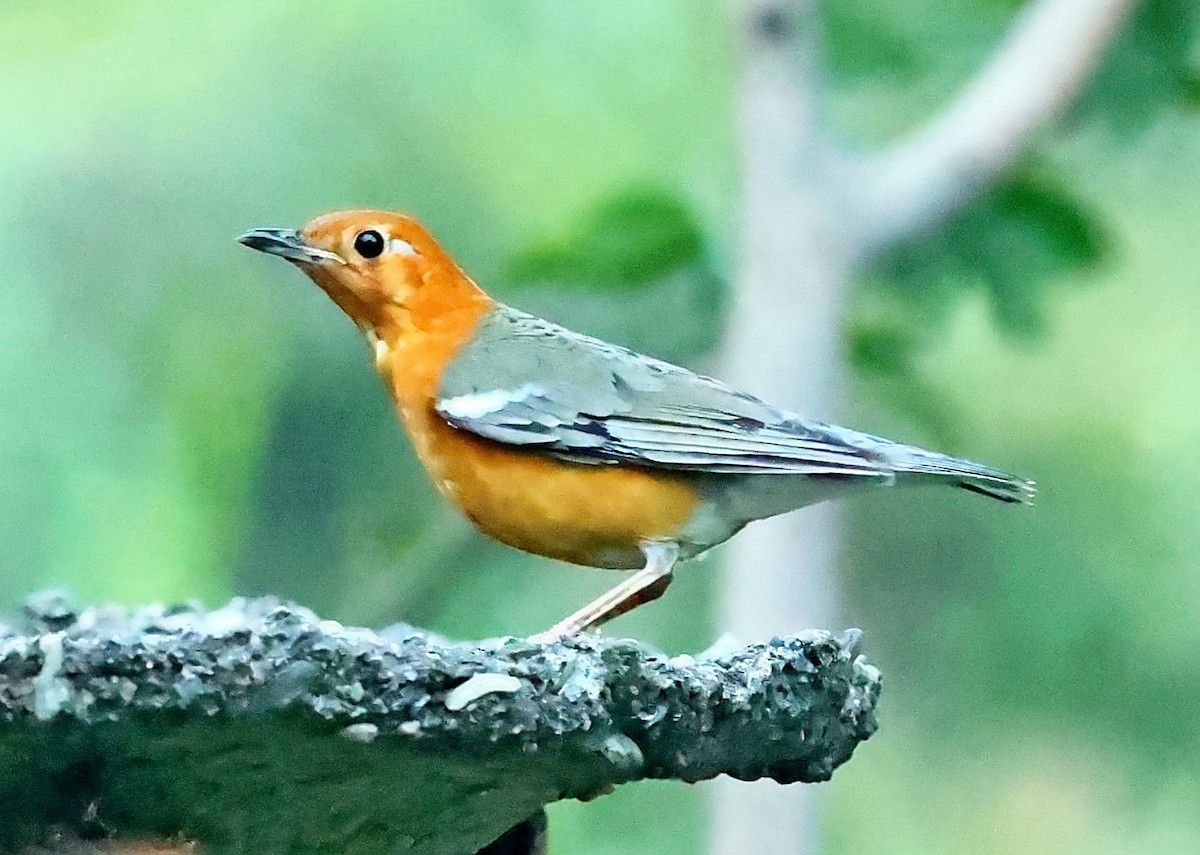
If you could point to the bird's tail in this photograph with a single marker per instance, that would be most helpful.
(975, 477)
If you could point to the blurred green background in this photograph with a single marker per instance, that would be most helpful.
(184, 419)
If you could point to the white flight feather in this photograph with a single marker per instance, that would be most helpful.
(479, 404)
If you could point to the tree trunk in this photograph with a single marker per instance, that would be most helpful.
(783, 344)
(812, 214)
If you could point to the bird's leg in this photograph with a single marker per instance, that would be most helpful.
(645, 585)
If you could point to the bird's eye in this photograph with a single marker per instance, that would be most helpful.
(369, 244)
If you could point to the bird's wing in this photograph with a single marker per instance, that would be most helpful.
(526, 382)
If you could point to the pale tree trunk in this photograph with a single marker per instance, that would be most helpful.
(812, 215)
(783, 344)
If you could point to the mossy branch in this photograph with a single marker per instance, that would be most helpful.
(260, 728)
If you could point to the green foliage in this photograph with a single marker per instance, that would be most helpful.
(896, 61)
(632, 268)
(632, 239)
(851, 25)
(1154, 65)
(1032, 230)
(1013, 243)
(1013, 246)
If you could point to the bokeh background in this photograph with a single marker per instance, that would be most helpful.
(180, 418)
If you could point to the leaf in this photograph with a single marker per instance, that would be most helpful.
(1151, 66)
(884, 345)
(1014, 243)
(862, 42)
(635, 270)
(633, 239)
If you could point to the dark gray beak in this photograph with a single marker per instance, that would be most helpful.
(286, 243)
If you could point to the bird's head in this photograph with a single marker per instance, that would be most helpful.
(383, 269)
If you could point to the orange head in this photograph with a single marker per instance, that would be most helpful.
(383, 269)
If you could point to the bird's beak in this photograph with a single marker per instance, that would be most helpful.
(286, 243)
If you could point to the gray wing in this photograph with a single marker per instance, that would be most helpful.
(523, 381)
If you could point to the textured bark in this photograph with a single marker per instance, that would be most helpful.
(260, 728)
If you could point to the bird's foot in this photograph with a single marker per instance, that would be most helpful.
(642, 587)
(558, 632)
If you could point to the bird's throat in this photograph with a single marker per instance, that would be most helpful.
(410, 356)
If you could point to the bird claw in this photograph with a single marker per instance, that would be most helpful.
(556, 633)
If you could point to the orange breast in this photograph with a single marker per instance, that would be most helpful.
(591, 515)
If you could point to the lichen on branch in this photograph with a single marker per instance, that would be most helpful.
(259, 727)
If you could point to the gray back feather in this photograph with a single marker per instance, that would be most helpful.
(526, 382)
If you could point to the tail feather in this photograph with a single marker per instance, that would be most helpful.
(975, 477)
(1013, 490)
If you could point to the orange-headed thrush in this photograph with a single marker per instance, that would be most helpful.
(570, 447)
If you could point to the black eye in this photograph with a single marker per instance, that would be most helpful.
(369, 244)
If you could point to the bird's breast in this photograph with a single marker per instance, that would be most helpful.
(591, 515)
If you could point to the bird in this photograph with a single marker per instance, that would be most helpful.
(574, 448)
